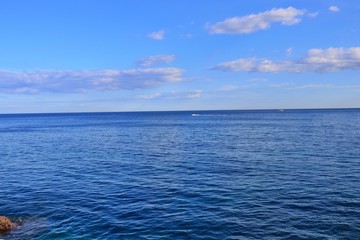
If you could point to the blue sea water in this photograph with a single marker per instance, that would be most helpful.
(292, 174)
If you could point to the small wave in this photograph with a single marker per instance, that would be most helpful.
(207, 115)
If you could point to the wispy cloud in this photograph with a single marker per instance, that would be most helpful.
(256, 22)
(173, 95)
(289, 51)
(334, 9)
(150, 96)
(152, 60)
(316, 60)
(87, 80)
(228, 88)
(194, 94)
(294, 86)
(312, 86)
(313, 14)
(159, 35)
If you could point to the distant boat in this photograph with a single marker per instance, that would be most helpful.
(281, 110)
(195, 115)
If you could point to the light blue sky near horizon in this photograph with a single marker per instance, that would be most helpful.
(83, 56)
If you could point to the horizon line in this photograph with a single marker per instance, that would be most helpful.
(199, 110)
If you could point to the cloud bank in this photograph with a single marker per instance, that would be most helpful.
(316, 60)
(86, 80)
(256, 22)
(152, 60)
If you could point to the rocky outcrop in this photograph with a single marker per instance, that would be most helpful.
(5, 224)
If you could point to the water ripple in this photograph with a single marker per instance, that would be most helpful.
(222, 175)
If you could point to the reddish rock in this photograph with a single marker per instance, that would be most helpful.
(5, 224)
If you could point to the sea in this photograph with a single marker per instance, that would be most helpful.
(262, 174)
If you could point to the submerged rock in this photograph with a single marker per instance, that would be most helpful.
(5, 224)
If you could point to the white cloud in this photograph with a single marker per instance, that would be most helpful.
(159, 35)
(245, 65)
(334, 9)
(152, 60)
(316, 60)
(87, 80)
(256, 22)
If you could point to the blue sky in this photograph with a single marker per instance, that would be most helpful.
(132, 55)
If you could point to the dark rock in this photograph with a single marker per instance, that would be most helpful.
(5, 224)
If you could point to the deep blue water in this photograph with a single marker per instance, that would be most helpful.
(170, 175)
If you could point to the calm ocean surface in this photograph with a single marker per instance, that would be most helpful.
(170, 175)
